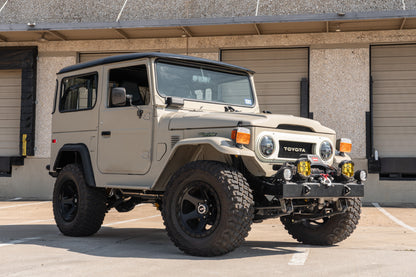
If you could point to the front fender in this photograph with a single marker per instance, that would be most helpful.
(222, 145)
(201, 148)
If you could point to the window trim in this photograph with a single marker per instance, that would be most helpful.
(55, 96)
(107, 88)
(93, 73)
(208, 67)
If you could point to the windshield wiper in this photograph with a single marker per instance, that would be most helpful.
(230, 109)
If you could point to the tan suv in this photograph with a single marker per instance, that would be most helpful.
(187, 135)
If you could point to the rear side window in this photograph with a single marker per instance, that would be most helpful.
(78, 93)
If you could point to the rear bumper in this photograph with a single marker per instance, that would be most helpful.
(317, 190)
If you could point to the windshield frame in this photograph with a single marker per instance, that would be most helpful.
(210, 67)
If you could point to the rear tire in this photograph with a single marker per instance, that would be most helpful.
(207, 208)
(79, 210)
(328, 232)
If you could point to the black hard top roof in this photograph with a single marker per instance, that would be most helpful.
(126, 57)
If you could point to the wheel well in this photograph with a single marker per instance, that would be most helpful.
(185, 154)
(67, 157)
(78, 154)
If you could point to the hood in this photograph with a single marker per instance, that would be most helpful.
(207, 120)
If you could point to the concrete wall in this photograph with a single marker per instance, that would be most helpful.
(30, 181)
(339, 87)
(339, 91)
(58, 11)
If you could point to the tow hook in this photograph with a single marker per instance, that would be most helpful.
(325, 179)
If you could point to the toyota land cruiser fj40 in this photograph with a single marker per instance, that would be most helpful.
(187, 135)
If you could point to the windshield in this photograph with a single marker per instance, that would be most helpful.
(202, 84)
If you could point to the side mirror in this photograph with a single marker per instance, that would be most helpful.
(118, 97)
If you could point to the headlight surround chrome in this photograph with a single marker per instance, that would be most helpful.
(326, 151)
(267, 146)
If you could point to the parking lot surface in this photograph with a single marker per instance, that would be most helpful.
(136, 244)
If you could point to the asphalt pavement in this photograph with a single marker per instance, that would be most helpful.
(136, 244)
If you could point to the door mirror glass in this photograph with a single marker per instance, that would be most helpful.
(118, 97)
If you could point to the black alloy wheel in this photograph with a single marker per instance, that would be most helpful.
(198, 209)
(68, 201)
(207, 208)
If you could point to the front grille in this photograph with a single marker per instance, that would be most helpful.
(293, 149)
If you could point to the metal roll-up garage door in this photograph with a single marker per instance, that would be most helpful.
(278, 75)
(393, 71)
(10, 106)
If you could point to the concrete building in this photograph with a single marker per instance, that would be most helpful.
(350, 64)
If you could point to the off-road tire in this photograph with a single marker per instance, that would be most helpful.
(79, 210)
(333, 230)
(229, 208)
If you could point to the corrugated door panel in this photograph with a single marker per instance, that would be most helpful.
(10, 101)
(393, 69)
(278, 75)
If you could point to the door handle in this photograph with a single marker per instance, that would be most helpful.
(106, 133)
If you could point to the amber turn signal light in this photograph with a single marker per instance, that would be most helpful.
(241, 135)
(344, 145)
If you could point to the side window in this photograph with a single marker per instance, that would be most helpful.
(78, 93)
(134, 80)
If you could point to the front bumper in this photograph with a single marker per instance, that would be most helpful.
(317, 190)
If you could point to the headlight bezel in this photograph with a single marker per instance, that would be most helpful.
(327, 157)
(260, 146)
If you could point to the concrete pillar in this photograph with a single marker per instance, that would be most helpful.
(339, 92)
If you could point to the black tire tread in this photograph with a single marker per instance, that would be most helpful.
(336, 229)
(91, 209)
(237, 226)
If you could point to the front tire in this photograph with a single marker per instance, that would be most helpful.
(328, 231)
(79, 210)
(207, 208)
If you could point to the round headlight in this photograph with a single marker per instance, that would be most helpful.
(325, 150)
(266, 146)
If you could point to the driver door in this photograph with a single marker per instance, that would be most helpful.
(125, 131)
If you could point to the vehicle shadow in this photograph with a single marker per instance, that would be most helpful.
(151, 243)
